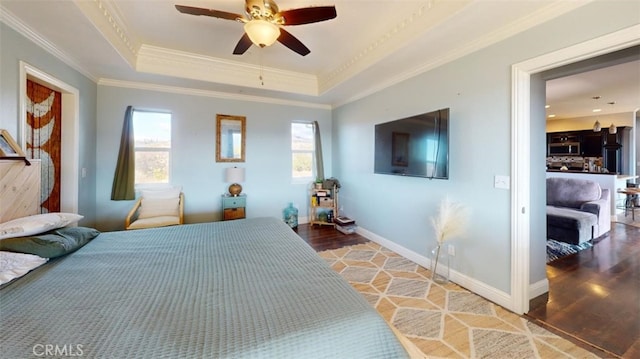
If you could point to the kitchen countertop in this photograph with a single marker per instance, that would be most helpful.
(618, 176)
(580, 171)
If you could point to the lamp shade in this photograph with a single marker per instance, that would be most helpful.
(613, 129)
(234, 175)
(262, 32)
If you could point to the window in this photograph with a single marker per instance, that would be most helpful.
(152, 133)
(302, 151)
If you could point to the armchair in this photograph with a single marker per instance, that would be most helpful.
(157, 208)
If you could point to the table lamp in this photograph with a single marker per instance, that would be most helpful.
(234, 175)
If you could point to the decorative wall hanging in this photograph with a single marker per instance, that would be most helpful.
(44, 140)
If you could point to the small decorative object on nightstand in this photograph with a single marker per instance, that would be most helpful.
(233, 207)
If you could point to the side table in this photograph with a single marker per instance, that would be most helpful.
(233, 207)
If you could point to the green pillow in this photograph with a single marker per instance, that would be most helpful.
(51, 244)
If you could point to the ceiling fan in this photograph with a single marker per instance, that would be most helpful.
(263, 23)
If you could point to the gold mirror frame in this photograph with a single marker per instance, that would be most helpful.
(230, 138)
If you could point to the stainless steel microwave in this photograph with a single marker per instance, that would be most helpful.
(564, 149)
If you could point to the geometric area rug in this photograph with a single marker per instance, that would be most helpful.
(557, 249)
(442, 320)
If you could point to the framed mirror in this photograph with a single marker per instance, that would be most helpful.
(230, 138)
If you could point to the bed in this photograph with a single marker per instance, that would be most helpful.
(235, 289)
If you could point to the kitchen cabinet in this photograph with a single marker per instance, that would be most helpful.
(592, 143)
(561, 137)
(613, 155)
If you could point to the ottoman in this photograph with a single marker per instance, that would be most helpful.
(570, 225)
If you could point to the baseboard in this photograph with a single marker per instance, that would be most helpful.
(538, 288)
(495, 295)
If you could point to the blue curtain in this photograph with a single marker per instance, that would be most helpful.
(319, 163)
(124, 177)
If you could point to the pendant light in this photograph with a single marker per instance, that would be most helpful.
(597, 127)
(612, 129)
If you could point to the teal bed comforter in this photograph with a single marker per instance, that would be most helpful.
(237, 289)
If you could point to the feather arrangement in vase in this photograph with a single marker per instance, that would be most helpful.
(450, 222)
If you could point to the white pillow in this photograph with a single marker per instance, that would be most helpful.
(36, 224)
(161, 193)
(15, 265)
(150, 208)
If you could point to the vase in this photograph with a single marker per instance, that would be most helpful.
(440, 264)
(290, 216)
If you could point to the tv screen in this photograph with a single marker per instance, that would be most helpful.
(415, 146)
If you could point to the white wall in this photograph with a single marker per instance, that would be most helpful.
(268, 152)
(477, 88)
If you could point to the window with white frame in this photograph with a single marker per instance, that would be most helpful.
(302, 151)
(152, 133)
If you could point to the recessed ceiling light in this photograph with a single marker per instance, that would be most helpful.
(596, 110)
(552, 116)
(547, 106)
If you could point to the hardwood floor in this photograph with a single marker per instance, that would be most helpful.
(594, 295)
(323, 237)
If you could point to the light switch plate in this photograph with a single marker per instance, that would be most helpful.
(502, 182)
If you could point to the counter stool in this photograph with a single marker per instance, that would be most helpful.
(630, 201)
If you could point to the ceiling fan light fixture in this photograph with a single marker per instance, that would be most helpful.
(261, 32)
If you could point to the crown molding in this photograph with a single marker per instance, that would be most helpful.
(163, 61)
(106, 17)
(17, 25)
(430, 14)
(536, 18)
(208, 93)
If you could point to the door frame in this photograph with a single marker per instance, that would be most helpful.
(521, 141)
(69, 173)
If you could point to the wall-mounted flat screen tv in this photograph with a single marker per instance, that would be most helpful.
(416, 146)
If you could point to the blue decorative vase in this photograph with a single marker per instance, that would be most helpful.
(290, 215)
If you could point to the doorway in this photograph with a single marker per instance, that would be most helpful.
(70, 131)
(521, 144)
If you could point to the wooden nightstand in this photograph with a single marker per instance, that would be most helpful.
(233, 207)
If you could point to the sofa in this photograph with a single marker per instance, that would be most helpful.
(578, 210)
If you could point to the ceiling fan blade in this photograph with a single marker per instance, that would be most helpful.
(291, 42)
(243, 45)
(208, 12)
(308, 15)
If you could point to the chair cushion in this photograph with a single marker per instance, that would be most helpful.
(150, 208)
(161, 193)
(161, 221)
